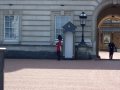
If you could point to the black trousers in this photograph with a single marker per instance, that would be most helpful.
(58, 55)
(111, 54)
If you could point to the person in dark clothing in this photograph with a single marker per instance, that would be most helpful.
(111, 46)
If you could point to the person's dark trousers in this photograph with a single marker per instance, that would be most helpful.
(58, 55)
(111, 55)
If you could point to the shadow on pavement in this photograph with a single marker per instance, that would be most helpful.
(12, 65)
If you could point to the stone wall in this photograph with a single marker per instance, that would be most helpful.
(37, 20)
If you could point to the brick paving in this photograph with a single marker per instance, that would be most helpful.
(35, 74)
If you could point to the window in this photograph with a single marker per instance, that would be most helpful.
(11, 28)
(60, 21)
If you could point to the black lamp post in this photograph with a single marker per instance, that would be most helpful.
(83, 18)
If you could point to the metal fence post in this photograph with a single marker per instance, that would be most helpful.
(2, 68)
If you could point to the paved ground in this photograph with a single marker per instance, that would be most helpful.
(34, 74)
(105, 55)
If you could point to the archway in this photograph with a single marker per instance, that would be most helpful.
(108, 29)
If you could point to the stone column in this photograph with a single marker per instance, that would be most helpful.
(94, 37)
(2, 68)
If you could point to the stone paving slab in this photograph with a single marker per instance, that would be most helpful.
(105, 55)
(35, 74)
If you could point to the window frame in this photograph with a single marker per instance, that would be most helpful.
(17, 32)
(62, 17)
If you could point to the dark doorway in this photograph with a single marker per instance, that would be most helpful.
(108, 24)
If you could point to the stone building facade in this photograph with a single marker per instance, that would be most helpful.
(28, 28)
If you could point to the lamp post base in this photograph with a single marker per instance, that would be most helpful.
(82, 44)
(83, 51)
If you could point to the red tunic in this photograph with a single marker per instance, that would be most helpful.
(58, 46)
